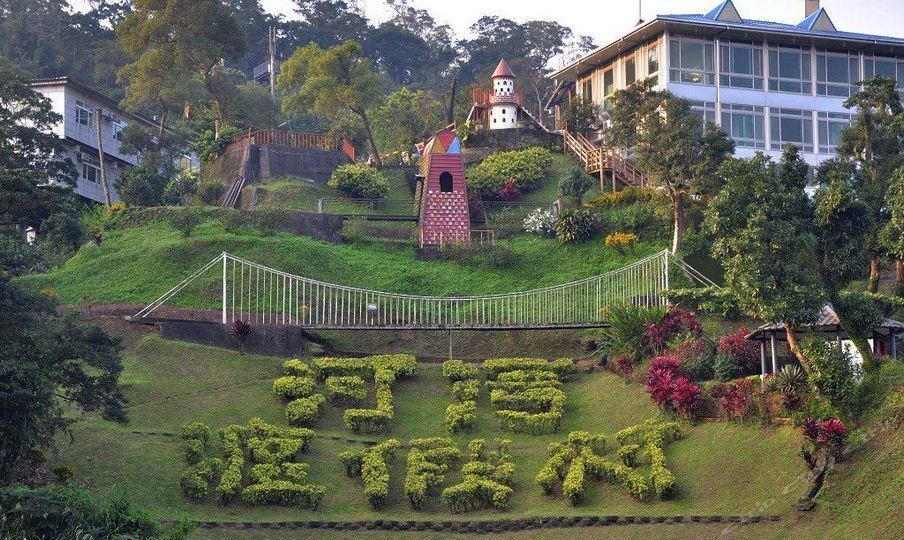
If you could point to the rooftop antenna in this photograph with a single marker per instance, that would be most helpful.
(639, 12)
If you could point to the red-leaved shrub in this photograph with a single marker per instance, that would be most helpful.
(509, 191)
(832, 435)
(659, 385)
(745, 352)
(827, 439)
(670, 390)
(685, 395)
(624, 366)
(677, 321)
(735, 397)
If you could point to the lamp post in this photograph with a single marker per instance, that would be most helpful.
(371, 313)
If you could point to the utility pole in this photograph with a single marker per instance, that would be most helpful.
(271, 40)
(98, 112)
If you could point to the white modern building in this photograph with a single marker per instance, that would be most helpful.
(78, 105)
(765, 83)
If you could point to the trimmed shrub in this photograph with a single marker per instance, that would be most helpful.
(428, 462)
(360, 181)
(461, 416)
(528, 168)
(284, 492)
(304, 411)
(573, 485)
(291, 387)
(466, 390)
(493, 367)
(194, 451)
(195, 481)
(297, 368)
(196, 430)
(485, 479)
(456, 370)
(344, 391)
(367, 420)
(209, 193)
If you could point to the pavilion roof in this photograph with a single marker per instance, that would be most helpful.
(826, 322)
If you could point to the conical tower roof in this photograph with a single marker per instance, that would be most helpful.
(503, 70)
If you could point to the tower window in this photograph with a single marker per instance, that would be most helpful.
(445, 182)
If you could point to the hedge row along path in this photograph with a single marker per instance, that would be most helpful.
(486, 526)
(260, 295)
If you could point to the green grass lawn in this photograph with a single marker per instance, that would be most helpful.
(720, 468)
(140, 263)
(300, 194)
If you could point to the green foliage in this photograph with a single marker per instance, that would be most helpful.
(456, 370)
(763, 237)
(575, 226)
(574, 484)
(331, 83)
(628, 326)
(46, 355)
(181, 189)
(297, 368)
(406, 118)
(195, 481)
(726, 368)
(210, 193)
(461, 416)
(581, 114)
(832, 372)
(466, 390)
(428, 462)
(141, 186)
(370, 464)
(343, 391)
(528, 167)
(304, 411)
(575, 183)
(185, 222)
(525, 398)
(360, 181)
(494, 367)
(291, 386)
(68, 512)
(486, 479)
(721, 302)
(284, 492)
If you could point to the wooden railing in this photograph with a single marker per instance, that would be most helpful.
(599, 158)
(297, 139)
(483, 97)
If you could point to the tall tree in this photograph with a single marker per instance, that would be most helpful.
(47, 360)
(762, 225)
(195, 35)
(30, 152)
(331, 83)
(328, 23)
(876, 146)
(671, 145)
(893, 233)
(406, 118)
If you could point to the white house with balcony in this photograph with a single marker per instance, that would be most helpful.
(765, 83)
(78, 105)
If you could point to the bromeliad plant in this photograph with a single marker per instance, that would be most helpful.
(826, 440)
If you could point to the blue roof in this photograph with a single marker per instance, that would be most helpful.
(804, 28)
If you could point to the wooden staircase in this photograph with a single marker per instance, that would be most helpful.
(599, 160)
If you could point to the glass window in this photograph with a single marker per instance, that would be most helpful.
(691, 61)
(83, 115)
(653, 62)
(608, 87)
(789, 70)
(741, 65)
(836, 74)
(744, 124)
(706, 110)
(830, 126)
(885, 67)
(90, 172)
(630, 71)
(587, 89)
(791, 126)
(118, 128)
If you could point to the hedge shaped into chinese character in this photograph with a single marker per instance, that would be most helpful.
(275, 476)
(429, 460)
(370, 465)
(486, 479)
(526, 393)
(461, 415)
(580, 459)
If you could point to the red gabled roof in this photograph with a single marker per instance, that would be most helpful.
(503, 70)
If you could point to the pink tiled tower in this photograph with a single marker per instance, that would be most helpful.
(444, 216)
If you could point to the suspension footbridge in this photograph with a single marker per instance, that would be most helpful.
(260, 295)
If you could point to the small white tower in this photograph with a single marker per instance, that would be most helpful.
(504, 109)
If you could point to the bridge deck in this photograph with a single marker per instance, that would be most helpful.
(468, 327)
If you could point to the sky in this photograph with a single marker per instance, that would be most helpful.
(607, 20)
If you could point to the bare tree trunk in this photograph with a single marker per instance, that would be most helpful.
(678, 218)
(370, 137)
(795, 348)
(874, 269)
(899, 277)
(450, 113)
(100, 154)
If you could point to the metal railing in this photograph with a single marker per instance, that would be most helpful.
(297, 139)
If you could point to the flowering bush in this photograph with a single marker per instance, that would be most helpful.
(745, 352)
(540, 222)
(576, 226)
(508, 191)
(621, 240)
(528, 167)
